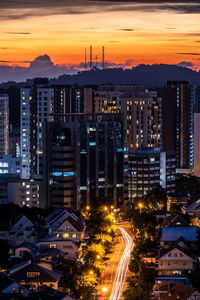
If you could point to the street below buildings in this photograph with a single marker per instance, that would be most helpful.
(112, 280)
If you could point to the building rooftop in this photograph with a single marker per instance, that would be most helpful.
(45, 274)
(170, 234)
(180, 291)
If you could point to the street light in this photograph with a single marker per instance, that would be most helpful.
(87, 207)
(104, 289)
(98, 256)
(140, 205)
(91, 272)
(105, 208)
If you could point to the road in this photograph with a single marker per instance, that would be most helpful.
(122, 268)
(114, 276)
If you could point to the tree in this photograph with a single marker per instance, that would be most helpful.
(85, 285)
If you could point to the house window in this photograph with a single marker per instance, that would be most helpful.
(66, 235)
(181, 255)
(32, 274)
(169, 255)
(175, 254)
(74, 235)
(52, 246)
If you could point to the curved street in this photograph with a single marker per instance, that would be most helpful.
(122, 268)
(114, 276)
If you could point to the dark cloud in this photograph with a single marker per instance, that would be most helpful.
(40, 67)
(15, 32)
(126, 29)
(19, 9)
(185, 64)
(15, 61)
(188, 53)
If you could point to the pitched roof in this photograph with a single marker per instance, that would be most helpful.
(194, 206)
(174, 220)
(181, 291)
(59, 216)
(5, 282)
(45, 274)
(185, 251)
(31, 246)
(49, 293)
(170, 234)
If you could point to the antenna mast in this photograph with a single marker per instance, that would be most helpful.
(90, 57)
(103, 64)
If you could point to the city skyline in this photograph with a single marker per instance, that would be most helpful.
(133, 32)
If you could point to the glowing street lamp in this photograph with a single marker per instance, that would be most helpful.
(105, 208)
(98, 257)
(87, 207)
(91, 272)
(140, 205)
(104, 289)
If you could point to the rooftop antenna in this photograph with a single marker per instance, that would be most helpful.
(90, 57)
(103, 64)
(96, 61)
(85, 60)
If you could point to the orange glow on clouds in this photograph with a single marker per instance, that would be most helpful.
(130, 37)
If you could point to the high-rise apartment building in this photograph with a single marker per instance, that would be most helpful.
(150, 168)
(197, 144)
(178, 114)
(4, 124)
(36, 105)
(142, 111)
(86, 161)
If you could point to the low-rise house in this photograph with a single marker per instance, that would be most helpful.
(193, 210)
(22, 231)
(49, 254)
(174, 220)
(69, 248)
(35, 276)
(151, 256)
(10, 286)
(49, 293)
(66, 224)
(179, 291)
(176, 260)
(24, 249)
(176, 200)
(170, 235)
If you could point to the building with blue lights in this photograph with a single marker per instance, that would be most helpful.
(86, 161)
(148, 169)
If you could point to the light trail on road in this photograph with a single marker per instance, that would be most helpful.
(122, 267)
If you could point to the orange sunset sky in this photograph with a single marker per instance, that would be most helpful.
(133, 33)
